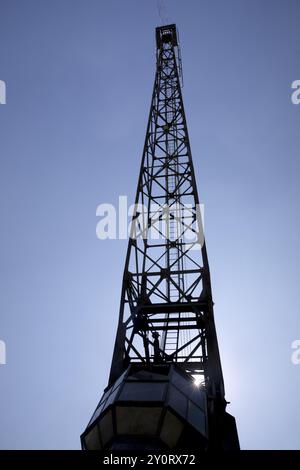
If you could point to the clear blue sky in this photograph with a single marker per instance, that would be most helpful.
(79, 76)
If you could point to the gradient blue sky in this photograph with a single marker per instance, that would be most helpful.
(79, 76)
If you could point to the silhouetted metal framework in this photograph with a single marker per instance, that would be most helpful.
(166, 311)
(166, 333)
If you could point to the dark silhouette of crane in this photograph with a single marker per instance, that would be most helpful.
(166, 388)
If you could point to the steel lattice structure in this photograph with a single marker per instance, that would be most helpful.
(166, 333)
(166, 310)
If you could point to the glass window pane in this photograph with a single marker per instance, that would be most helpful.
(190, 389)
(119, 380)
(96, 414)
(111, 397)
(138, 420)
(106, 427)
(146, 375)
(197, 418)
(143, 391)
(92, 439)
(171, 429)
(178, 401)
